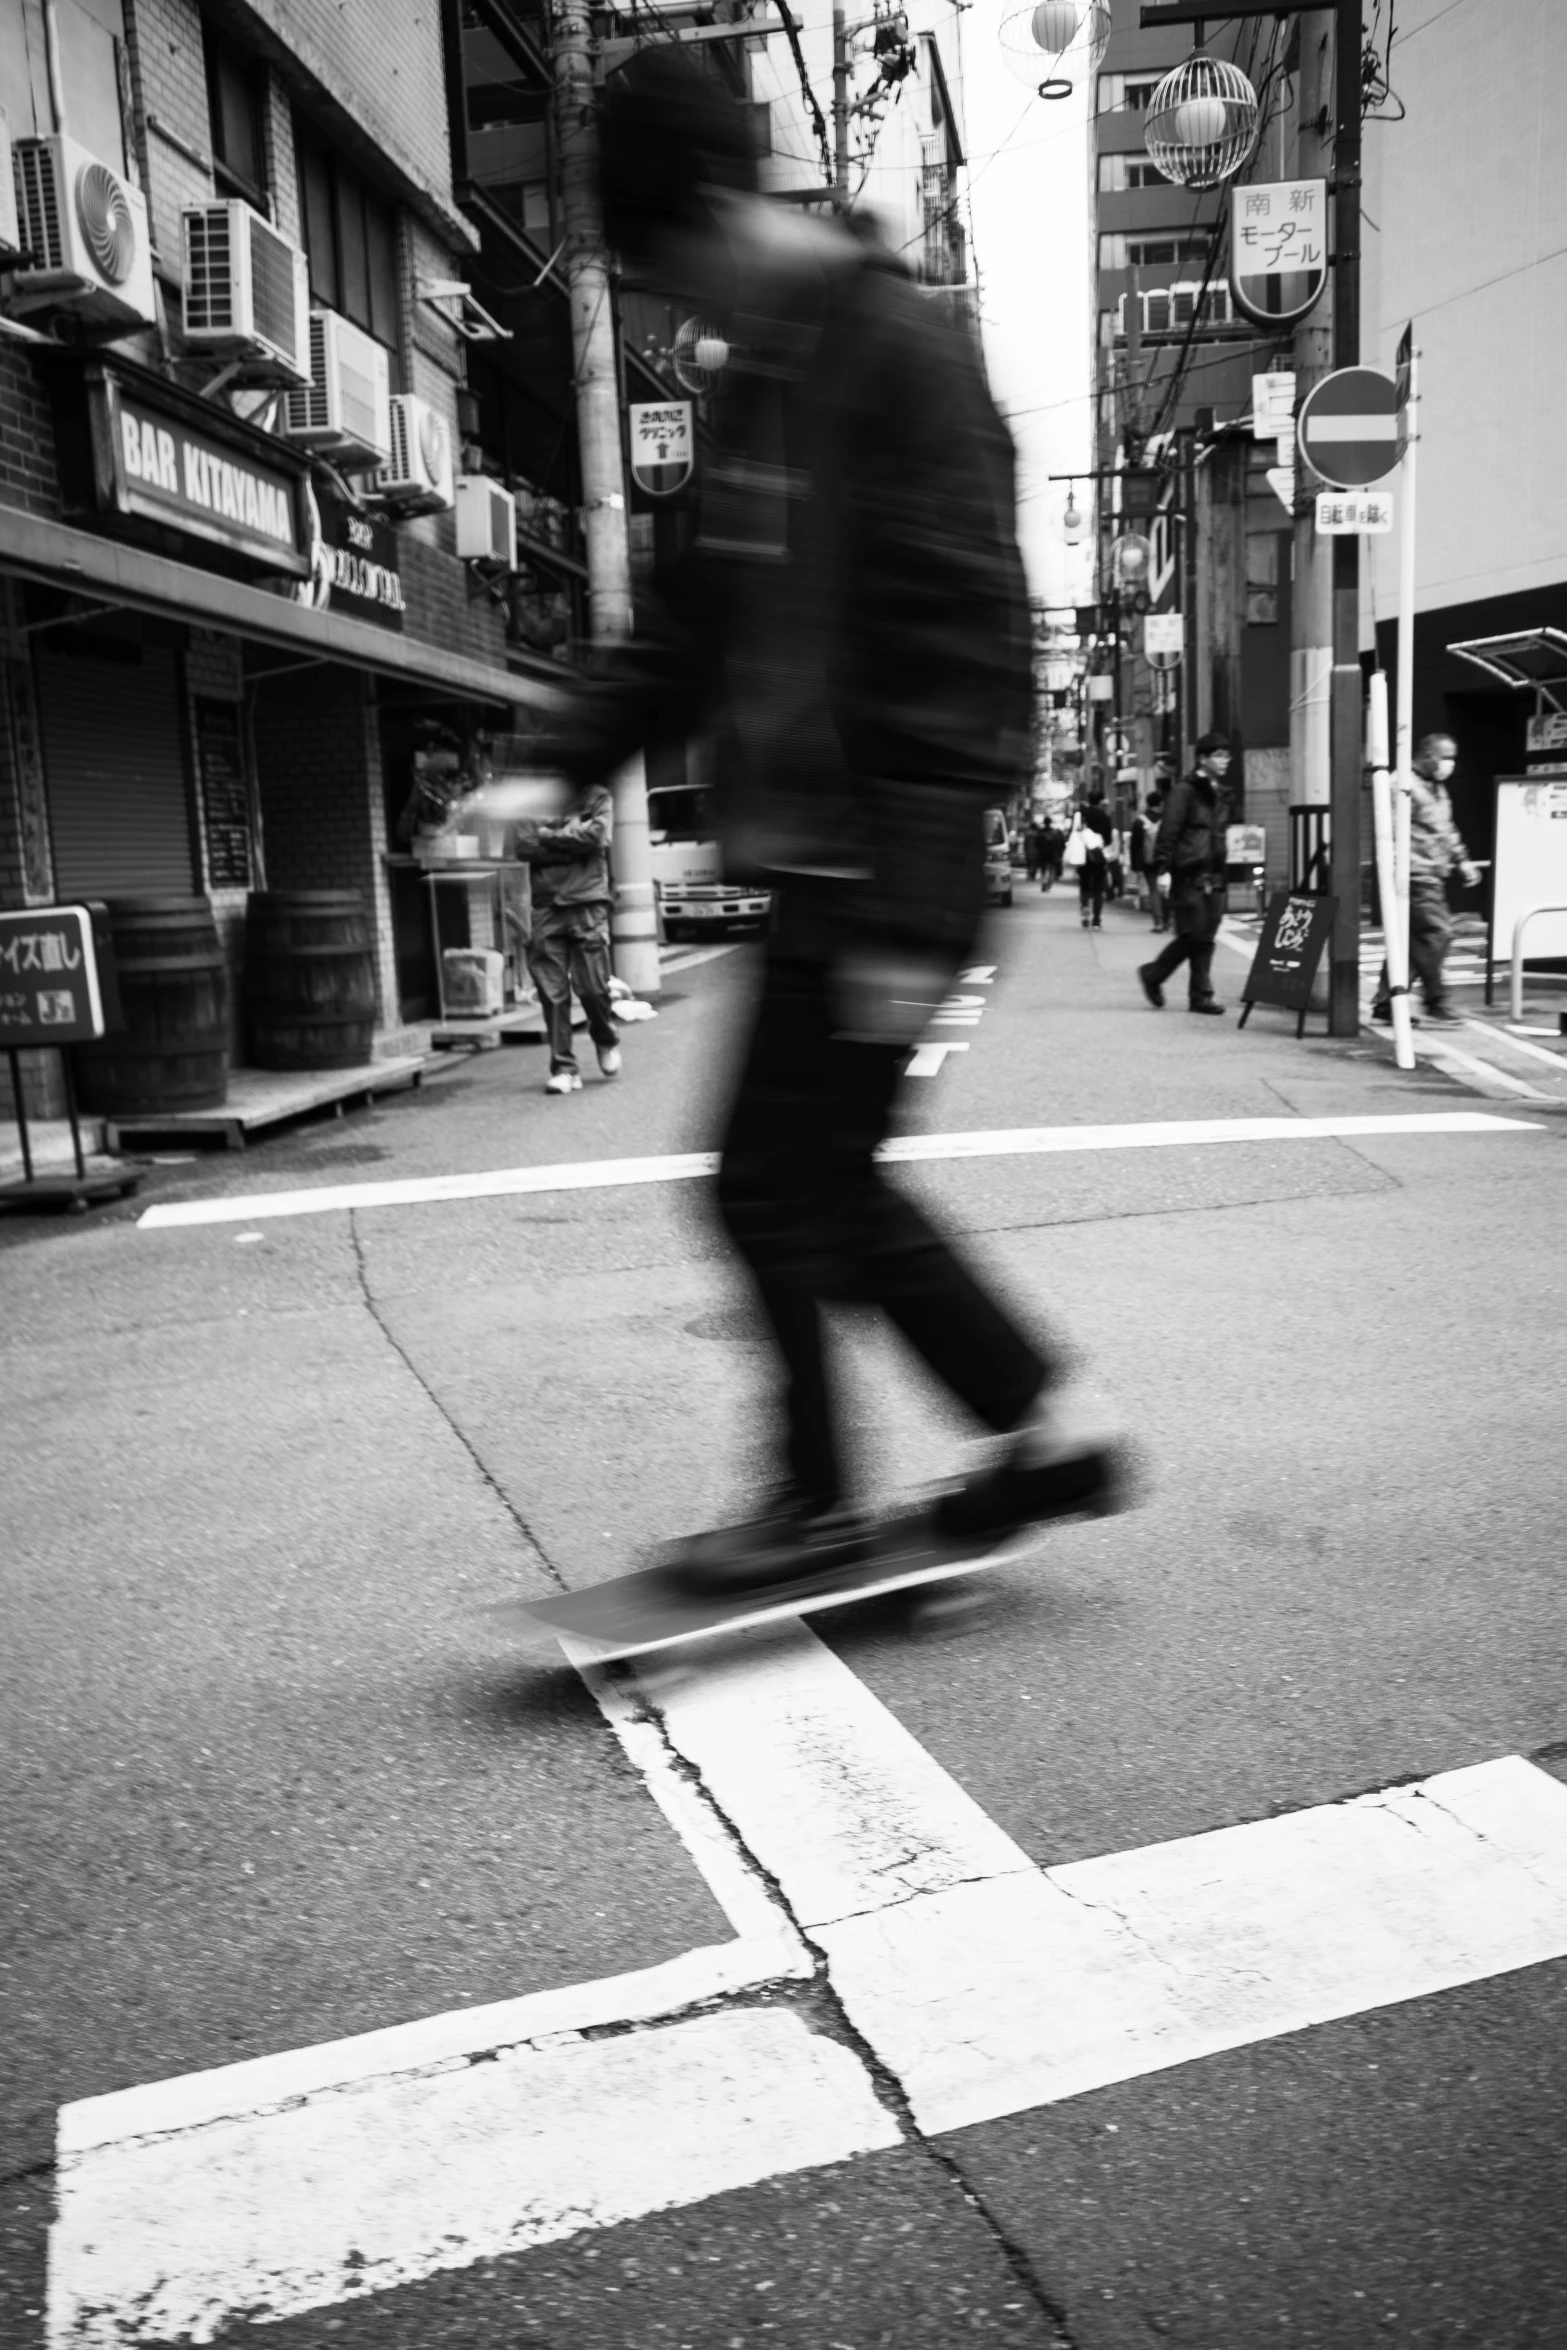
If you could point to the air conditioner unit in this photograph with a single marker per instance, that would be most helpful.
(420, 476)
(346, 411)
(86, 231)
(11, 246)
(486, 521)
(247, 290)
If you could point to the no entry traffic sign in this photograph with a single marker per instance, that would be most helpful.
(1351, 429)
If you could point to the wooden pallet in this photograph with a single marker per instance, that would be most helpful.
(263, 1098)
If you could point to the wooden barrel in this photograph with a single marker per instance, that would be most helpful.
(173, 1051)
(309, 979)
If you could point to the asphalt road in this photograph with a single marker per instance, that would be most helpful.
(276, 1780)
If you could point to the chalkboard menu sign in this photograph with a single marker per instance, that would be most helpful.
(225, 794)
(1295, 930)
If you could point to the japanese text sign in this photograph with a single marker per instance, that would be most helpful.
(1295, 930)
(49, 991)
(1339, 513)
(663, 445)
(1279, 225)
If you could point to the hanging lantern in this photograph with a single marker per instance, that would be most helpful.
(1202, 122)
(1133, 559)
(1039, 34)
(1072, 521)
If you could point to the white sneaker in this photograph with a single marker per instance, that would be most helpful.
(563, 1081)
(609, 1059)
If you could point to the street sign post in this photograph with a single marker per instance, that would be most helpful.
(1350, 429)
(1164, 639)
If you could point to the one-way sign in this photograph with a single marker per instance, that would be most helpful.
(1351, 428)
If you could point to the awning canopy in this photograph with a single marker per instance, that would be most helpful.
(1530, 657)
(108, 571)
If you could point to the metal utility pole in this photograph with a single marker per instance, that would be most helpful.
(1348, 694)
(1311, 601)
(634, 928)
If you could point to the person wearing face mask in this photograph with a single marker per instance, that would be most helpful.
(1189, 859)
(1435, 851)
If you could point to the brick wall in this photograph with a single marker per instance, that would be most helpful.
(169, 91)
(383, 63)
(26, 878)
(27, 471)
(323, 814)
(214, 672)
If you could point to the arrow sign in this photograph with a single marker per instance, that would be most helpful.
(1351, 429)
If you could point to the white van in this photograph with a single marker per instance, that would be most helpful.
(694, 900)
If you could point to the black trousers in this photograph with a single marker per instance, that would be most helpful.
(1197, 914)
(1092, 875)
(809, 1209)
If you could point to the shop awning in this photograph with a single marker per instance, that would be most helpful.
(1529, 657)
(104, 569)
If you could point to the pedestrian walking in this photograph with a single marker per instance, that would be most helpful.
(868, 699)
(1190, 850)
(1052, 842)
(1145, 830)
(568, 860)
(1436, 852)
(1033, 848)
(1091, 833)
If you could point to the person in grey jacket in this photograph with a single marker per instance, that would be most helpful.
(569, 865)
(1436, 851)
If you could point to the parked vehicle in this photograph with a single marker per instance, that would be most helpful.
(694, 899)
(998, 858)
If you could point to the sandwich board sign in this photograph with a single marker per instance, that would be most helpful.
(663, 446)
(1295, 929)
(50, 989)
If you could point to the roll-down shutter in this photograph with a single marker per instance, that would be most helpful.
(114, 764)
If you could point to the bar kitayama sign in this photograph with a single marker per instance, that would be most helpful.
(157, 465)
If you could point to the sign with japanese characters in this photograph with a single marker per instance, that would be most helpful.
(1342, 512)
(663, 446)
(1295, 930)
(225, 794)
(1278, 248)
(1163, 638)
(1273, 405)
(49, 990)
(1246, 844)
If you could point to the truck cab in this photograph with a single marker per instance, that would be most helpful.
(694, 900)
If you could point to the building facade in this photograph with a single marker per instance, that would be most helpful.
(1466, 239)
(245, 361)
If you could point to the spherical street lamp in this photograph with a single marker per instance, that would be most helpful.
(1202, 122)
(1072, 521)
(1038, 34)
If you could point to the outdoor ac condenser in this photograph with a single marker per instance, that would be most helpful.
(86, 231)
(420, 477)
(247, 291)
(486, 521)
(11, 246)
(346, 410)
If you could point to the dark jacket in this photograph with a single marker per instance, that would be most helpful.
(570, 859)
(1191, 842)
(850, 626)
(1096, 821)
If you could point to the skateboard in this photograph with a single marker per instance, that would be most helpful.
(650, 1609)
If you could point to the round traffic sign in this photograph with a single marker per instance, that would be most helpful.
(1351, 429)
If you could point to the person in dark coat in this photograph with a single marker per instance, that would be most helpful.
(1190, 850)
(1093, 873)
(850, 628)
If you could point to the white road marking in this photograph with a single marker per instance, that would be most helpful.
(986, 1984)
(353, 2192)
(1010, 1142)
(989, 1985)
(926, 1059)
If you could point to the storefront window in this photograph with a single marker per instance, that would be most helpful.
(350, 238)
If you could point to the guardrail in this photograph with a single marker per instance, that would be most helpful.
(1515, 991)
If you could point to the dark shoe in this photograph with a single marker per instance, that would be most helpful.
(1151, 988)
(1214, 1010)
(1042, 1474)
(793, 1539)
(1443, 1019)
(1382, 1014)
